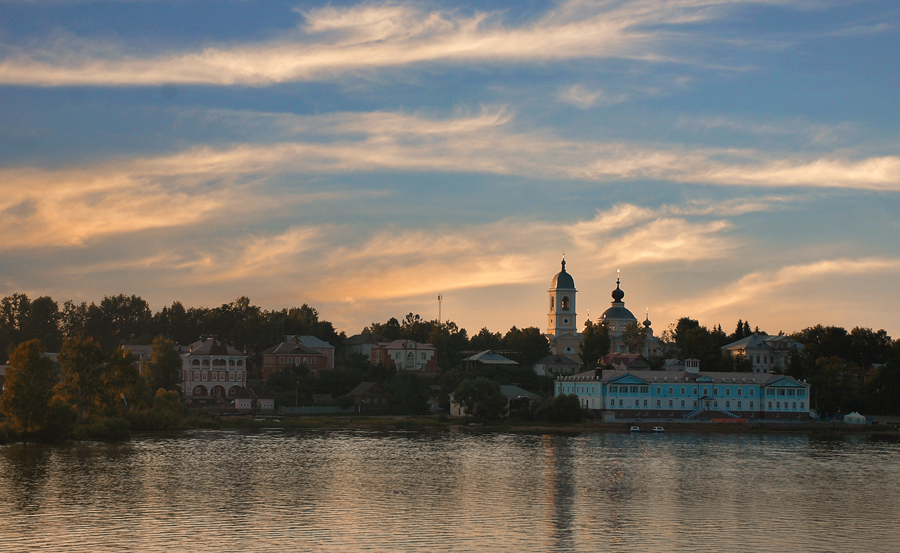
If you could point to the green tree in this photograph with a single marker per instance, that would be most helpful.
(99, 384)
(164, 370)
(634, 336)
(561, 408)
(410, 393)
(481, 398)
(595, 344)
(527, 346)
(486, 340)
(43, 323)
(835, 386)
(30, 379)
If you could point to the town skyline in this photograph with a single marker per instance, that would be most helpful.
(734, 159)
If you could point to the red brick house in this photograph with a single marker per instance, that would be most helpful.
(291, 354)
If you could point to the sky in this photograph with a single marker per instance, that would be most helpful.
(727, 159)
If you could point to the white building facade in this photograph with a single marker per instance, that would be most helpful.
(213, 369)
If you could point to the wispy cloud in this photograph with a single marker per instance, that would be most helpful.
(748, 290)
(70, 205)
(582, 97)
(336, 41)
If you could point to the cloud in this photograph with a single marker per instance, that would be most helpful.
(769, 284)
(335, 41)
(584, 98)
(69, 206)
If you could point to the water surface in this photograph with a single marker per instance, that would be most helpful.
(406, 491)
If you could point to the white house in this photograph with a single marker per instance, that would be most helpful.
(765, 353)
(212, 369)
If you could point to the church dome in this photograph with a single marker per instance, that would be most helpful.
(618, 313)
(563, 279)
(617, 294)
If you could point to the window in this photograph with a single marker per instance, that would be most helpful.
(682, 403)
(751, 391)
(657, 390)
(695, 391)
(682, 391)
(794, 405)
(705, 391)
(670, 390)
(620, 403)
(801, 405)
(657, 403)
(739, 391)
(564, 304)
(715, 391)
(670, 403)
(727, 404)
(551, 307)
(751, 405)
(634, 389)
(739, 405)
(778, 405)
(727, 391)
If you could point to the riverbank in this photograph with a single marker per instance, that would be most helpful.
(394, 423)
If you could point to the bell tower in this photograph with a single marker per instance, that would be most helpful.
(562, 326)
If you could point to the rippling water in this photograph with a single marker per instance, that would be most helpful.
(404, 491)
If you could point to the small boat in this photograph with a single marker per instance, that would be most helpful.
(635, 429)
(659, 429)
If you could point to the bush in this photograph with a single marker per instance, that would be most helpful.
(563, 408)
(107, 429)
(8, 433)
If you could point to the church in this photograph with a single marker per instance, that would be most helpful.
(562, 327)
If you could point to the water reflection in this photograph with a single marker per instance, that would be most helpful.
(405, 491)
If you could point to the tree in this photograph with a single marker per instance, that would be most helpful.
(30, 379)
(481, 398)
(43, 323)
(99, 384)
(528, 345)
(835, 386)
(410, 393)
(634, 336)
(164, 370)
(561, 408)
(486, 340)
(595, 344)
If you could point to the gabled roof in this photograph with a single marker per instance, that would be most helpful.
(367, 388)
(214, 346)
(313, 342)
(488, 357)
(365, 338)
(514, 391)
(292, 349)
(755, 341)
(405, 344)
(558, 360)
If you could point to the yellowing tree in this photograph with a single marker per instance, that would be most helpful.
(30, 379)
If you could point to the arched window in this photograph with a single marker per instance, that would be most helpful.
(552, 302)
(564, 304)
(200, 391)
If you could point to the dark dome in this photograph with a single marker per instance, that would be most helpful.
(618, 313)
(563, 279)
(617, 294)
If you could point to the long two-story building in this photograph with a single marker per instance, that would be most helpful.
(689, 394)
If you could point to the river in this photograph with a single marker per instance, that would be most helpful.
(221, 491)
